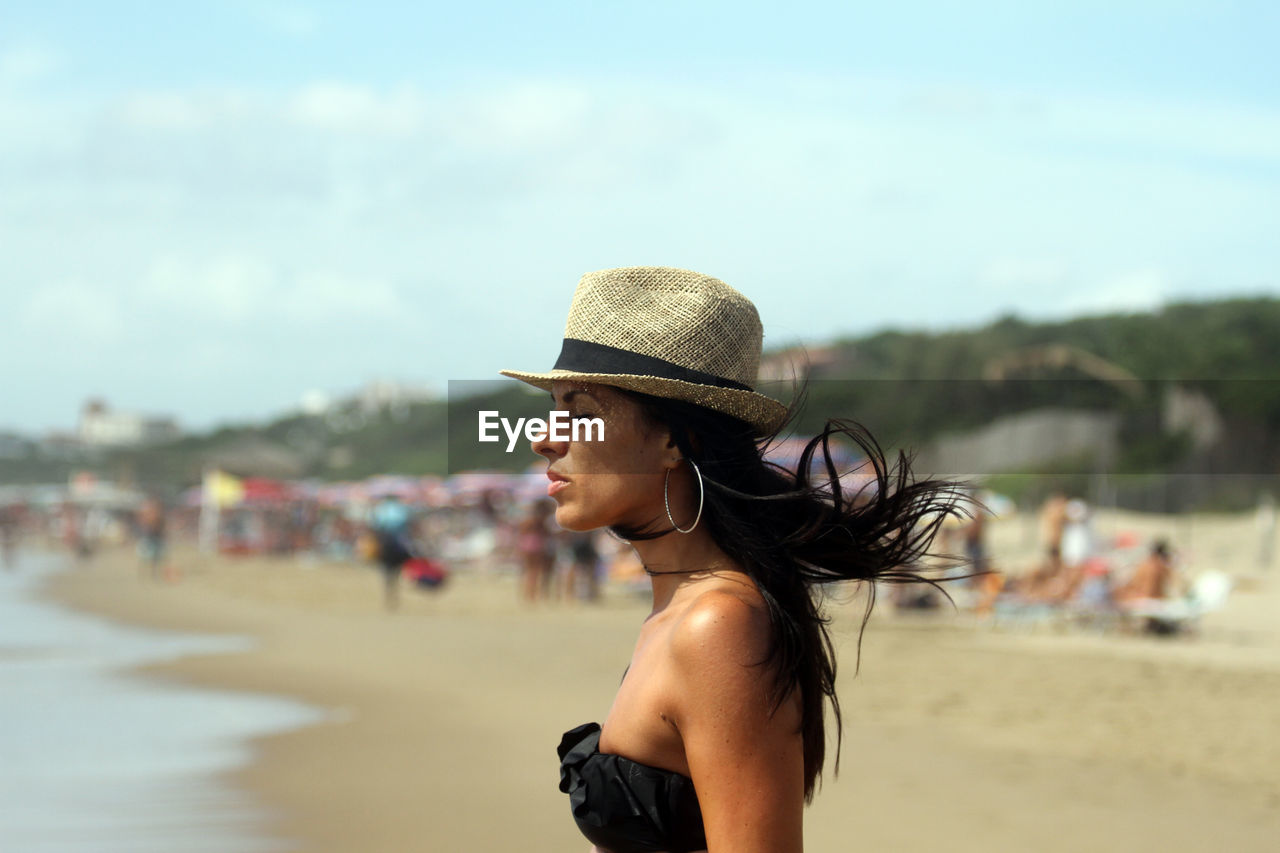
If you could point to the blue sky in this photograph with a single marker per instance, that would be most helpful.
(207, 210)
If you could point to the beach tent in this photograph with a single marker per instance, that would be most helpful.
(405, 488)
(262, 491)
(471, 486)
(223, 490)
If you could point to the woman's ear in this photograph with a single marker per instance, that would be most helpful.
(673, 449)
(671, 452)
(690, 440)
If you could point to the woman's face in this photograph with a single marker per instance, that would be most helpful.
(615, 480)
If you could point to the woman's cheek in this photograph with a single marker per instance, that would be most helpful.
(575, 506)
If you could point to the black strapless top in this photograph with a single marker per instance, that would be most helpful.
(624, 806)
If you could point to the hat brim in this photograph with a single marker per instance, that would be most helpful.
(764, 414)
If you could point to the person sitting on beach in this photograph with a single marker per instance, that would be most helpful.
(1063, 586)
(1077, 555)
(1034, 583)
(1152, 579)
(716, 737)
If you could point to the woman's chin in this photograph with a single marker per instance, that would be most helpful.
(569, 518)
(569, 523)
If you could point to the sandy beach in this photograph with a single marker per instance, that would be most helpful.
(959, 735)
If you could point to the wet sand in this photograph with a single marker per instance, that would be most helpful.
(958, 735)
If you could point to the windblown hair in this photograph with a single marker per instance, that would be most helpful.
(795, 533)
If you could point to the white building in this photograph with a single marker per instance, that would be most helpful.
(102, 427)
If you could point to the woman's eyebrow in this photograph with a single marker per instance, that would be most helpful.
(569, 395)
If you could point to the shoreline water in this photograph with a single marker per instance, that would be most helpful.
(97, 755)
(397, 748)
(451, 709)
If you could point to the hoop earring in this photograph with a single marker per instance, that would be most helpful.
(701, 495)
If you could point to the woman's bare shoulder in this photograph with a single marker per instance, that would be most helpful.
(728, 622)
(722, 688)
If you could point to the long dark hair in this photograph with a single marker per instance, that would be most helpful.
(794, 533)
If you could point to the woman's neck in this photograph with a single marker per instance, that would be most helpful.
(677, 559)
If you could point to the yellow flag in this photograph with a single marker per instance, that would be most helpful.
(222, 489)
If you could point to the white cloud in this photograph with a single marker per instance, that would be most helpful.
(1011, 274)
(236, 290)
(1129, 290)
(358, 109)
(145, 112)
(1146, 128)
(330, 297)
(520, 117)
(27, 63)
(230, 289)
(71, 314)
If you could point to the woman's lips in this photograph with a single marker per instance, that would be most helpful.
(557, 483)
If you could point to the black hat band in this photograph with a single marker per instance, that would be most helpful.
(587, 357)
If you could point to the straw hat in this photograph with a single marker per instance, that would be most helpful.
(669, 333)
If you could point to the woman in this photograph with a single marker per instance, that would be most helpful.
(716, 738)
(537, 552)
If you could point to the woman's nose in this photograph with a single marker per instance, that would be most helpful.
(544, 446)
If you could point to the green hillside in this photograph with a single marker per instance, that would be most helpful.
(913, 386)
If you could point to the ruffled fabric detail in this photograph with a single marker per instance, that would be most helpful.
(624, 806)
